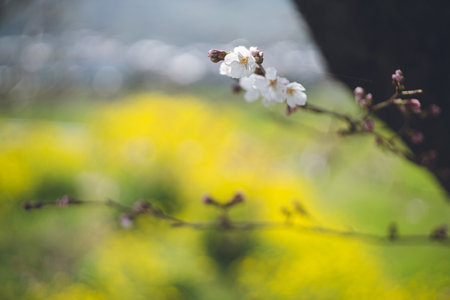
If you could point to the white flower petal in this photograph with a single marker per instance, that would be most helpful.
(271, 73)
(247, 82)
(241, 50)
(260, 83)
(231, 57)
(297, 86)
(225, 69)
(296, 98)
(251, 95)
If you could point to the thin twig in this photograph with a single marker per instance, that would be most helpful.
(438, 237)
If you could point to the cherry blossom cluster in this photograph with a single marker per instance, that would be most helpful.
(246, 65)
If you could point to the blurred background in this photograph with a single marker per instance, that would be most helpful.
(111, 100)
(111, 47)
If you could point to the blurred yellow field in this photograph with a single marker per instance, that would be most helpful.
(171, 150)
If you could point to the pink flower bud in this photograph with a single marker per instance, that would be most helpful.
(397, 77)
(414, 105)
(66, 200)
(141, 206)
(216, 55)
(236, 88)
(206, 199)
(258, 55)
(369, 125)
(359, 92)
(429, 158)
(435, 110)
(290, 110)
(126, 220)
(237, 198)
(417, 137)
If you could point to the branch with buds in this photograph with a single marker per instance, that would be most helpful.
(246, 66)
(129, 214)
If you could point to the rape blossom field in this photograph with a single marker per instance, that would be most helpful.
(171, 149)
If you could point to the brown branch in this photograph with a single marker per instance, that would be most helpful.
(438, 236)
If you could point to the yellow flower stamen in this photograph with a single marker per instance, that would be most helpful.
(243, 60)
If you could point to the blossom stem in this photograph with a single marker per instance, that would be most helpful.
(352, 123)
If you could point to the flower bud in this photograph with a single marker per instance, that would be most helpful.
(66, 200)
(258, 55)
(429, 158)
(141, 206)
(361, 97)
(216, 55)
(359, 91)
(236, 88)
(397, 77)
(434, 110)
(417, 137)
(126, 220)
(206, 199)
(237, 198)
(290, 110)
(369, 125)
(369, 98)
(413, 105)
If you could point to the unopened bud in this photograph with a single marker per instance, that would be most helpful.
(429, 158)
(413, 105)
(290, 110)
(361, 97)
(141, 206)
(206, 199)
(397, 77)
(434, 110)
(417, 137)
(236, 88)
(66, 200)
(369, 125)
(237, 198)
(216, 55)
(369, 98)
(258, 55)
(126, 220)
(359, 92)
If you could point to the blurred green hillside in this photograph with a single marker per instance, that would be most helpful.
(170, 149)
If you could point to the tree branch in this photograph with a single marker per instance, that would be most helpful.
(438, 236)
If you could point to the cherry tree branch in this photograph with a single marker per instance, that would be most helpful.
(223, 222)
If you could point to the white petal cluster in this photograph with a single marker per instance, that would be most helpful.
(271, 88)
(239, 63)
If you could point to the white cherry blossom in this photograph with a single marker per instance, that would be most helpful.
(225, 69)
(295, 94)
(248, 84)
(271, 87)
(239, 63)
